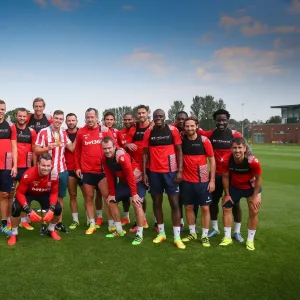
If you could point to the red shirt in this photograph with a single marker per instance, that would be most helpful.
(88, 149)
(26, 139)
(33, 184)
(219, 153)
(130, 172)
(138, 154)
(242, 180)
(70, 156)
(195, 168)
(114, 132)
(122, 136)
(8, 133)
(47, 136)
(163, 158)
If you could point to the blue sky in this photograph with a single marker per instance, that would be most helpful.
(104, 53)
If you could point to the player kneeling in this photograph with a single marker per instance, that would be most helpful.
(37, 183)
(119, 165)
(242, 178)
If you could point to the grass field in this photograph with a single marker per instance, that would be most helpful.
(91, 267)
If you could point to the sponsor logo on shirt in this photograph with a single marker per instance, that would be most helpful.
(160, 138)
(40, 190)
(36, 183)
(93, 142)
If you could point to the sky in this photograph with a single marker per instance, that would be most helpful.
(78, 54)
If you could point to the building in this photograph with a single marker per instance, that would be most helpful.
(286, 132)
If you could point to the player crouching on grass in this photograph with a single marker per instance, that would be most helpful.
(119, 165)
(241, 178)
(37, 183)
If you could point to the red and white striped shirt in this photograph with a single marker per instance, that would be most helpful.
(47, 136)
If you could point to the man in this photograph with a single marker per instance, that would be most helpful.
(128, 122)
(8, 166)
(26, 138)
(38, 184)
(162, 145)
(119, 165)
(73, 180)
(135, 146)
(220, 139)
(88, 164)
(38, 120)
(242, 178)
(109, 122)
(197, 182)
(54, 140)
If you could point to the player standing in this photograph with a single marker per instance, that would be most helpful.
(119, 165)
(197, 182)
(242, 178)
(37, 183)
(162, 146)
(8, 166)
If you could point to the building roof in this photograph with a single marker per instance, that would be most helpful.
(286, 106)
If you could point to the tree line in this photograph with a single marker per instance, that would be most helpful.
(202, 107)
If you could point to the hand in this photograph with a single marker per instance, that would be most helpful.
(145, 180)
(52, 146)
(136, 200)
(78, 173)
(178, 177)
(131, 147)
(256, 201)
(14, 171)
(211, 186)
(226, 198)
(111, 199)
(50, 213)
(34, 217)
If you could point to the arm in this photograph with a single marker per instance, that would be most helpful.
(14, 158)
(78, 148)
(69, 145)
(22, 189)
(33, 139)
(212, 167)
(258, 184)
(125, 163)
(178, 149)
(225, 182)
(129, 143)
(40, 145)
(146, 156)
(110, 179)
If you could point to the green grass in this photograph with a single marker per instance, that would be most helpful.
(90, 267)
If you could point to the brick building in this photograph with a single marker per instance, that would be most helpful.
(286, 132)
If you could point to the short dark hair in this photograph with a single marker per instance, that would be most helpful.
(142, 106)
(238, 140)
(58, 112)
(39, 99)
(93, 109)
(221, 112)
(22, 109)
(109, 113)
(45, 156)
(128, 114)
(2, 102)
(71, 115)
(107, 139)
(192, 118)
(181, 112)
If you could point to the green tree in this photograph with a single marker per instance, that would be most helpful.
(11, 115)
(176, 107)
(274, 120)
(119, 113)
(203, 109)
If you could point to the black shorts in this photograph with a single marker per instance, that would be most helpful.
(195, 193)
(92, 179)
(123, 191)
(73, 174)
(6, 181)
(218, 192)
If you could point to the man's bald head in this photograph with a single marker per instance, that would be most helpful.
(159, 117)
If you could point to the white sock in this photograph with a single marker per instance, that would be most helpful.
(28, 219)
(176, 230)
(161, 228)
(119, 227)
(126, 214)
(214, 225)
(99, 213)
(111, 223)
(181, 221)
(192, 229)
(92, 222)
(15, 231)
(75, 217)
(8, 220)
(227, 231)
(251, 234)
(139, 231)
(23, 220)
(51, 227)
(237, 227)
(204, 231)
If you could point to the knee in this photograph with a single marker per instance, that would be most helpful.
(16, 209)
(227, 210)
(253, 212)
(58, 209)
(205, 210)
(189, 208)
(4, 195)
